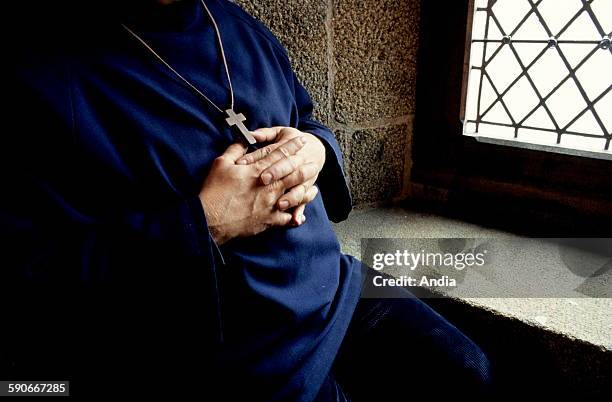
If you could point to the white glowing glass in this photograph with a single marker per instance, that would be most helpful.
(541, 73)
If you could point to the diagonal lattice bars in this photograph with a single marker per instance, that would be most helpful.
(496, 38)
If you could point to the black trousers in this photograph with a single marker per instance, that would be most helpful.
(398, 348)
(395, 348)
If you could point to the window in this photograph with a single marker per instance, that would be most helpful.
(540, 75)
(483, 179)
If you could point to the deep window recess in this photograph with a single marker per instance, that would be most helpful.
(540, 75)
(482, 178)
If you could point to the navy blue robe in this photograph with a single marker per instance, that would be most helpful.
(102, 224)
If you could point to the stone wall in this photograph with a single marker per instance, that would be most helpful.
(358, 61)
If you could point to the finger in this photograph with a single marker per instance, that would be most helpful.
(284, 151)
(293, 198)
(257, 154)
(235, 151)
(298, 216)
(280, 218)
(282, 168)
(267, 134)
(304, 173)
(310, 195)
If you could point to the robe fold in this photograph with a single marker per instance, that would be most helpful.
(105, 239)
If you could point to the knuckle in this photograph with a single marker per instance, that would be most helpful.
(291, 131)
(275, 171)
(296, 143)
(271, 188)
(302, 173)
(302, 193)
(272, 192)
(284, 151)
(292, 198)
(292, 164)
(265, 151)
(253, 174)
(260, 166)
(279, 186)
(270, 199)
(293, 180)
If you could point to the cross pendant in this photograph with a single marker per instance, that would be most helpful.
(237, 120)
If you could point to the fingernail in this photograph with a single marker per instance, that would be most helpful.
(242, 162)
(303, 219)
(283, 204)
(266, 178)
(302, 140)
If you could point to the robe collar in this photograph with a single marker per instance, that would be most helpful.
(175, 17)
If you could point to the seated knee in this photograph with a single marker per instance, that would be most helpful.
(477, 368)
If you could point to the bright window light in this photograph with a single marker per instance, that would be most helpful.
(541, 73)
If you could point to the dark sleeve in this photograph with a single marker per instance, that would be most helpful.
(332, 180)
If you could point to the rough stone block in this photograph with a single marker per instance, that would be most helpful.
(375, 49)
(375, 161)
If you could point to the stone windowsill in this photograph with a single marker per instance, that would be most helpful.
(586, 319)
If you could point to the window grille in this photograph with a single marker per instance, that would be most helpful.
(540, 74)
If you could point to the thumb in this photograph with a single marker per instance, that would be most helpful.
(235, 151)
(267, 134)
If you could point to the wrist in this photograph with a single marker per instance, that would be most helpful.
(219, 234)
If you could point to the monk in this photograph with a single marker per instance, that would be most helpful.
(166, 218)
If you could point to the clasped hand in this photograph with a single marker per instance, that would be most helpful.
(245, 194)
